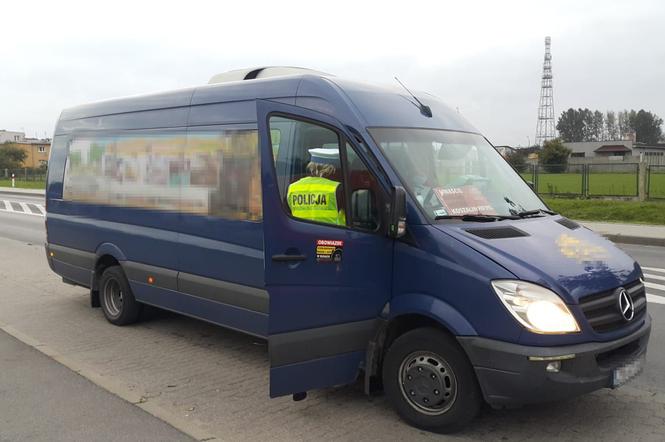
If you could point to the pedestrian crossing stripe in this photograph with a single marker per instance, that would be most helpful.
(656, 288)
(655, 299)
(657, 277)
(22, 208)
(651, 285)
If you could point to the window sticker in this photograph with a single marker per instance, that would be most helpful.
(329, 250)
(463, 200)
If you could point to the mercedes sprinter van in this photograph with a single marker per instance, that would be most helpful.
(367, 233)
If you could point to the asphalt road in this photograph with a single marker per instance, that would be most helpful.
(21, 218)
(197, 371)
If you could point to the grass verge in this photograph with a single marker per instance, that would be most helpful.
(24, 184)
(633, 212)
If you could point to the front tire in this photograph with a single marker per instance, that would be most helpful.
(430, 382)
(116, 297)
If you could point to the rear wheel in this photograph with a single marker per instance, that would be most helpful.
(116, 298)
(430, 382)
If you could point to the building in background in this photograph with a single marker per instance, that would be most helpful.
(618, 150)
(37, 150)
(8, 136)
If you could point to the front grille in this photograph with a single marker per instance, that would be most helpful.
(601, 309)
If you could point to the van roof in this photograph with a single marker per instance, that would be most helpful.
(349, 101)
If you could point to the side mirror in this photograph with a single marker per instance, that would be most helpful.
(362, 209)
(532, 185)
(397, 221)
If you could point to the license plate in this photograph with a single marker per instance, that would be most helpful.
(628, 371)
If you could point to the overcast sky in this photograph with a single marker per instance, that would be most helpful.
(484, 58)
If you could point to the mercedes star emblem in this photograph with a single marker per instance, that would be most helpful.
(626, 306)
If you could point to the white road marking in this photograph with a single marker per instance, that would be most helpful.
(658, 277)
(655, 299)
(651, 285)
(653, 269)
(26, 210)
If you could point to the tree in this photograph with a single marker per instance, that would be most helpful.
(11, 157)
(517, 159)
(554, 156)
(598, 126)
(571, 125)
(647, 127)
(588, 125)
(623, 123)
(611, 127)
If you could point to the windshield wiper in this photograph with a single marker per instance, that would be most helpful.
(480, 217)
(530, 213)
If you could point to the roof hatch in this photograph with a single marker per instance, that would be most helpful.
(261, 72)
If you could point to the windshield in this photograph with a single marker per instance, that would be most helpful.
(452, 174)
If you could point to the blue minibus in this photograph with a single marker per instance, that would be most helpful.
(367, 233)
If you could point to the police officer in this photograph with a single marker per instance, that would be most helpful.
(316, 197)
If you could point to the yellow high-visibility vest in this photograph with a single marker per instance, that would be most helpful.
(315, 199)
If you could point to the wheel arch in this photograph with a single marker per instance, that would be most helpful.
(434, 309)
(106, 255)
(403, 314)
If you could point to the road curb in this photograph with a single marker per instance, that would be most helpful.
(638, 240)
(112, 386)
(22, 192)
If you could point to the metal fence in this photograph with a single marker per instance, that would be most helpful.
(613, 179)
(619, 180)
(559, 179)
(24, 174)
(655, 182)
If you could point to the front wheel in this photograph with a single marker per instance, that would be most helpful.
(430, 382)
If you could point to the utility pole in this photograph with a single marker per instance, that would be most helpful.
(545, 127)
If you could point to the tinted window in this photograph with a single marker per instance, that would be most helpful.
(213, 173)
(134, 170)
(222, 175)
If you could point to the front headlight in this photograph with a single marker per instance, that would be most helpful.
(536, 308)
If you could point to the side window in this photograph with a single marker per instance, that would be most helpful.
(130, 170)
(309, 170)
(364, 191)
(221, 174)
(205, 172)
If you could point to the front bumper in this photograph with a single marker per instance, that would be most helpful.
(508, 378)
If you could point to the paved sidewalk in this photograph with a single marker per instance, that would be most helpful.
(629, 233)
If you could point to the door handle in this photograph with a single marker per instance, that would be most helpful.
(288, 258)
